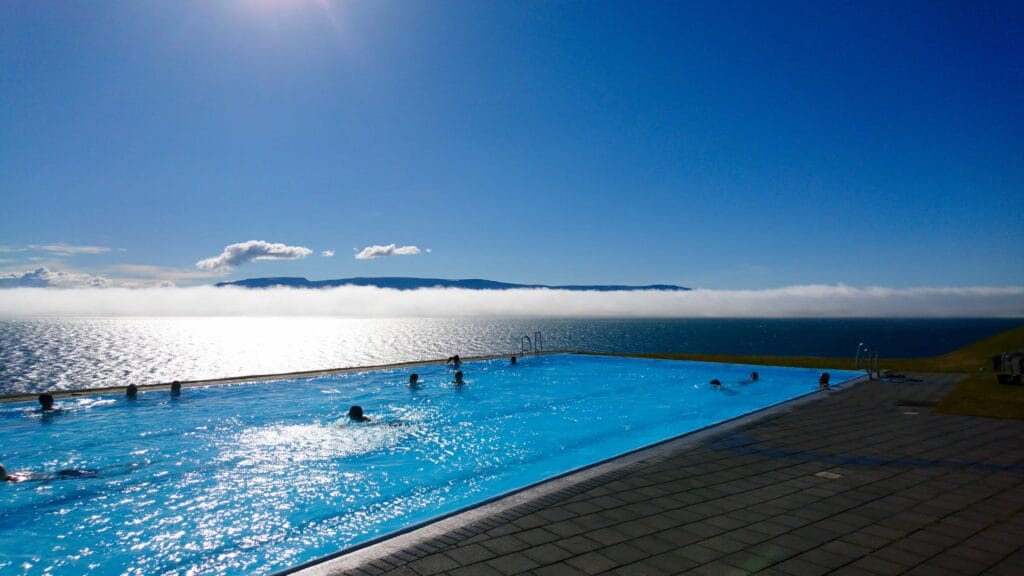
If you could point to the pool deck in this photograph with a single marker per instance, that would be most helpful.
(861, 480)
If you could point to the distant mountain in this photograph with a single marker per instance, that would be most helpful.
(414, 283)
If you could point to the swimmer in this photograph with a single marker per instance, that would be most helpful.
(66, 474)
(46, 402)
(458, 378)
(131, 391)
(455, 361)
(716, 383)
(14, 476)
(753, 376)
(175, 388)
(355, 414)
(414, 380)
(513, 360)
(823, 380)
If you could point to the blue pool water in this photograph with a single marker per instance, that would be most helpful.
(252, 478)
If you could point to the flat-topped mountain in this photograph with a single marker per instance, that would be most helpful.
(401, 283)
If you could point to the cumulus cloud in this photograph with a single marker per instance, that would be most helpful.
(237, 254)
(377, 251)
(369, 302)
(61, 249)
(327, 253)
(45, 278)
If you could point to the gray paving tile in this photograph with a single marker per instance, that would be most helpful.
(717, 568)
(547, 553)
(724, 544)
(469, 554)
(578, 545)
(699, 554)
(876, 565)
(504, 545)
(537, 536)
(433, 564)
(559, 569)
(513, 563)
(624, 553)
(798, 567)
(959, 564)
(592, 563)
(670, 562)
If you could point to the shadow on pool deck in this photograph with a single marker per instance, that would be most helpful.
(904, 491)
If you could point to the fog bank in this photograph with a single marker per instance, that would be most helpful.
(367, 302)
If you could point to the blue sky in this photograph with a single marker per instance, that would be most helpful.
(719, 144)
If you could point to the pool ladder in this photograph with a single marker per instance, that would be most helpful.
(527, 345)
(867, 360)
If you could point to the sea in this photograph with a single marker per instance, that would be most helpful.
(44, 354)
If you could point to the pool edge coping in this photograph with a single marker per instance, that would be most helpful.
(409, 537)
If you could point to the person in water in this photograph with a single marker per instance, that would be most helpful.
(513, 360)
(716, 383)
(414, 380)
(753, 376)
(455, 361)
(46, 402)
(175, 388)
(355, 414)
(823, 380)
(131, 391)
(66, 474)
(458, 378)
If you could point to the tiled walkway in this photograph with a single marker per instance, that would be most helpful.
(913, 493)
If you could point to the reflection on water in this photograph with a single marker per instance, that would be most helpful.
(53, 354)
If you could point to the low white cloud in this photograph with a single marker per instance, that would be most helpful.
(377, 251)
(62, 249)
(45, 278)
(368, 302)
(237, 254)
(327, 253)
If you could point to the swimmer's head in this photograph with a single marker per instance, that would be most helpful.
(131, 391)
(3, 473)
(753, 376)
(46, 401)
(176, 387)
(513, 360)
(716, 382)
(356, 413)
(458, 376)
(413, 378)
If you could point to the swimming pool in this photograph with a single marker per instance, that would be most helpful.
(252, 478)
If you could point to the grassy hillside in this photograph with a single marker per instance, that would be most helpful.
(978, 394)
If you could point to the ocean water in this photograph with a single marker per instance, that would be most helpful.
(250, 478)
(72, 353)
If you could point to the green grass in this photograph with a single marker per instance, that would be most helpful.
(977, 395)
